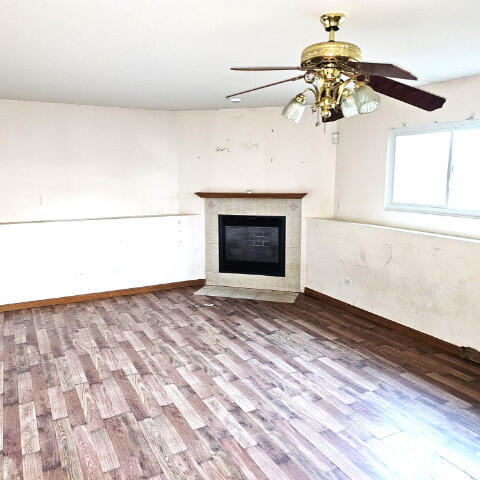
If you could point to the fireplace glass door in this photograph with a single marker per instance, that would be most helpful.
(252, 244)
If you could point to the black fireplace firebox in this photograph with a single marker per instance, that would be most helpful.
(253, 245)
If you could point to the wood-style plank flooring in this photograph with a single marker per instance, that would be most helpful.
(158, 386)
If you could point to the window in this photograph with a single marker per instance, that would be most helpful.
(435, 169)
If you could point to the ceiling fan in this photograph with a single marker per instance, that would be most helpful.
(343, 85)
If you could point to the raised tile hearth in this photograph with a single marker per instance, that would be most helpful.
(260, 204)
(248, 294)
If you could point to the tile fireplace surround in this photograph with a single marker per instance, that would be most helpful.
(274, 204)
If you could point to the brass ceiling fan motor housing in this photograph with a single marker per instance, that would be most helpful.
(341, 84)
(320, 54)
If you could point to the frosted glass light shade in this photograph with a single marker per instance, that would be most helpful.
(349, 107)
(294, 109)
(366, 99)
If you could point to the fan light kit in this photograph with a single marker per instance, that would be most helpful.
(342, 85)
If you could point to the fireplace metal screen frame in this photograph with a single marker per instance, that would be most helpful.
(251, 267)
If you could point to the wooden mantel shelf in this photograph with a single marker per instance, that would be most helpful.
(248, 195)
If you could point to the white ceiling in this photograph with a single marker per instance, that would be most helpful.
(176, 54)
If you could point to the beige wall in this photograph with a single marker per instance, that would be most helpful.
(257, 149)
(56, 259)
(240, 149)
(428, 282)
(425, 281)
(62, 161)
(362, 152)
(68, 162)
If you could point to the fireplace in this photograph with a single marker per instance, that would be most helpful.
(252, 245)
(275, 271)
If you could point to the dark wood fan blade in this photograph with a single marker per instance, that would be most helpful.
(336, 115)
(264, 69)
(265, 86)
(406, 93)
(382, 70)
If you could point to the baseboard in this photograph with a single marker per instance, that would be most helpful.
(463, 352)
(99, 295)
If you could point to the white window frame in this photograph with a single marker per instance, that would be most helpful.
(390, 205)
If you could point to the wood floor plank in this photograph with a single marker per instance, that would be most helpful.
(109, 398)
(157, 390)
(12, 447)
(91, 373)
(43, 341)
(235, 395)
(134, 402)
(247, 465)
(106, 452)
(74, 408)
(99, 362)
(156, 386)
(28, 428)
(75, 366)
(190, 415)
(89, 407)
(171, 465)
(87, 453)
(57, 403)
(49, 370)
(48, 444)
(25, 387)
(40, 393)
(32, 466)
(134, 454)
(66, 447)
(267, 465)
(55, 474)
(10, 390)
(342, 461)
(169, 435)
(64, 373)
(196, 447)
(231, 424)
(1, 423)
(1, 375)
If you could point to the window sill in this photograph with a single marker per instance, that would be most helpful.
(432, 211)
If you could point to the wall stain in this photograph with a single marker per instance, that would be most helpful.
(390, 254)
(250, 146)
